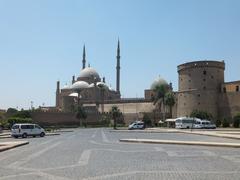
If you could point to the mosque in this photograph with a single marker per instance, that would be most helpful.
(93, 88)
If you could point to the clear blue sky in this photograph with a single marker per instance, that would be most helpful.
(41, 42)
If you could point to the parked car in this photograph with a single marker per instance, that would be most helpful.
(206, 124)
(136, 125)
(24, 130)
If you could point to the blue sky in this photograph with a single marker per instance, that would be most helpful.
(41, 42)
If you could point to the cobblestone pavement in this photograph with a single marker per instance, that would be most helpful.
(97, 154)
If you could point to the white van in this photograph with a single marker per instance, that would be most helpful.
(24, 130)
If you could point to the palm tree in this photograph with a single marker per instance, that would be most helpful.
(169, 101)
(115, 113)
(102, 88)
(159, 97)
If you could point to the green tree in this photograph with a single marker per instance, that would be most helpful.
(218, 122)
(23, 114)
(103, 88)
(236, 121)
(81, 115)
(11, 111)
(169, 101)
(225, 122)
(115, 114)
(159, 97)
(201, 114)
(147, 120)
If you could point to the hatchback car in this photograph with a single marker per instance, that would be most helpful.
(24, 130)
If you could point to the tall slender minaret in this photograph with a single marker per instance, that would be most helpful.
(58, 94)
(118, 68)
(84, 58)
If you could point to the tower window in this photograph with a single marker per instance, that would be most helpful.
(237, 88)
(198, 103)
(204, 87)
(204, 72)
(198, 95)
(204, 79)
(212, 77)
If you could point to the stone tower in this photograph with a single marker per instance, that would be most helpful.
(118, 69)
(199, 87)
(84, 58)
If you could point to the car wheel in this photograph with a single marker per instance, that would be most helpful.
(24, 135)
(42, 134)
(15, 136)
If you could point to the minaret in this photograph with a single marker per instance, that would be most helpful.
(57, 94)
(118, 68)
(84, 58)
(73, 79)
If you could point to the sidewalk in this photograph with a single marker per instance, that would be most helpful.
(231, 133)
(9, 145)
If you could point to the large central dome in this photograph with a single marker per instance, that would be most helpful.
(89, 72)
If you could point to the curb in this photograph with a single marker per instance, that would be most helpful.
(47, 134)
(213, 135)
(7, 145)
(195, 143)
(143, 131)
(52, 134)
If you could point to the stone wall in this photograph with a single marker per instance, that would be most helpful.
(229, 105)
(61, 119)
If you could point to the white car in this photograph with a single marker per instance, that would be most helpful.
(24, 130)
(136, 125)
(206, 124)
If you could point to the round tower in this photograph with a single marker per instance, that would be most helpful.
(199, 86)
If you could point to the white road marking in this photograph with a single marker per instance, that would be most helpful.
(94, 134)
(85, 156)
(104, 137)
(32, 156)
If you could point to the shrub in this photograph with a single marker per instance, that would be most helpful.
(236, 121)
(14, 120)
(218, 122)
(225, 122)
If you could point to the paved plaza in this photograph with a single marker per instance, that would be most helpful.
(98, 154)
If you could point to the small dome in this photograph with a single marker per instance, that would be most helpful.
(158, 82)
(89, 72)
(74, 94)
(102, 85)
(91, 85)
(80, 85)
(66, 87)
